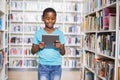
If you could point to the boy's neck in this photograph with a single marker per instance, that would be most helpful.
(49, 30)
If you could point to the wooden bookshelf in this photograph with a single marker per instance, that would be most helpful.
(101, 55)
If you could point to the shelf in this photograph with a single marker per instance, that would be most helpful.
(22, 69)
(101, 39)
(107, 5)
(3, 41)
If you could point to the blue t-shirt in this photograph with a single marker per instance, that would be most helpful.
(49, 56)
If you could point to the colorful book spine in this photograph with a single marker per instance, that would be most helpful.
(0, 24)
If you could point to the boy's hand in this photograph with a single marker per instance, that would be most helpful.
(57, 44)
(41, 45)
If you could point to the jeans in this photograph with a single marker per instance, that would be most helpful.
(49, 72)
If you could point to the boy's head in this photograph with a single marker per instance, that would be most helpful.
(49, 10)
(49, 17)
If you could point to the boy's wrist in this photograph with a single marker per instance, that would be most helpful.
(60, 46)
(38, 47)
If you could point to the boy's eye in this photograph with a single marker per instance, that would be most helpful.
(53, 18)
(47, 18)
(50, 18)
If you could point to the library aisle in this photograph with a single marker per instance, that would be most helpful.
(24, 18)
(92, 38)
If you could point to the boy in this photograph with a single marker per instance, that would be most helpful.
(50, 59)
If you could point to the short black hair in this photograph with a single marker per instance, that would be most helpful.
(49, 10)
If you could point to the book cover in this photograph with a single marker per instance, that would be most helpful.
(49, 40)
(109, 70)
(106, 11)
(112, 21)
(0, 60)
(89, 75)
(1, 40)
(105, 22)
(118, 73)
(0, 24)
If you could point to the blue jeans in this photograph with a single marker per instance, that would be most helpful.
(49, 72)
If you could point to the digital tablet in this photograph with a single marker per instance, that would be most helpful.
(49, 40)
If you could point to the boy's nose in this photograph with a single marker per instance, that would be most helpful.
(50, 21)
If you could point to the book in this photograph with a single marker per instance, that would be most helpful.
(49, 40)
(118, 73)
(106, 11)
(105, 22)
(0, 60)
(1, 40)
(89, 75)
(112, 21)
(0, 24)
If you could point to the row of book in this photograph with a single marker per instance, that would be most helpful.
(22, 63)
(37, 17)
(102, 20)
(90, 41)
(73, 52)
(16, 28)
(71, 29)
(29, 17)
(34, 27)
(16, 51)
(30, 63)
(104, 44)
(19, 39)
(93, 5)
(101, 66)
(90, 60)
(105, 68)
(73, 40)
(67, 63)
(70, 63)
(108, 16)
(28, 40)
(34, 5)
(19, 51)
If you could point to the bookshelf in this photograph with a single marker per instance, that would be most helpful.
(119, 55)
(25, 18)
(100, 26)
(3, 42)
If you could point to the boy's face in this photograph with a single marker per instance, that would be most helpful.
(49, 19)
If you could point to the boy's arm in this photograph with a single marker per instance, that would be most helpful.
(60, 46)
(62, 49)
(35, 48)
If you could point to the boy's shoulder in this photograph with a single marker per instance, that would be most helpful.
(40, 30)
(58, 30)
